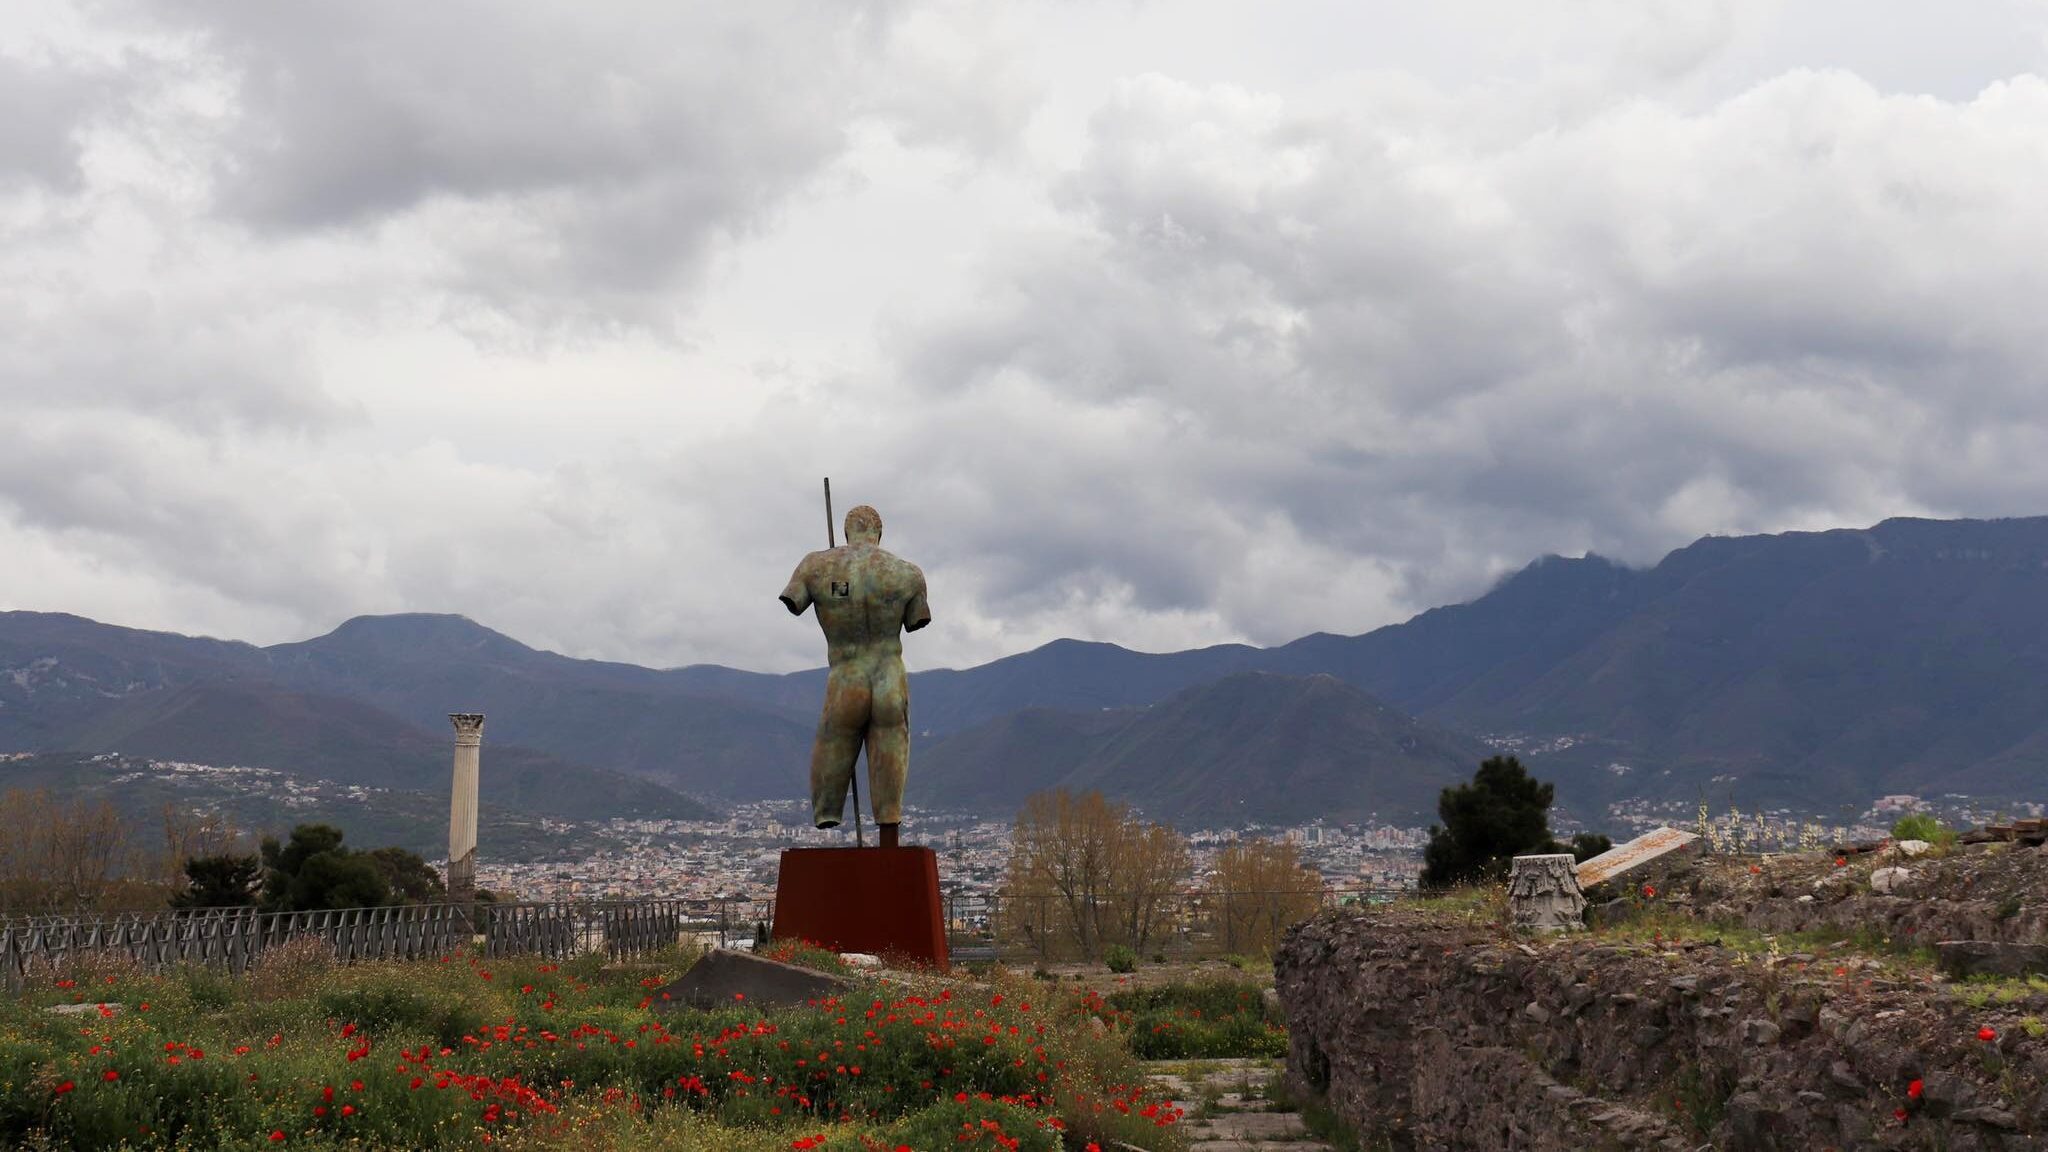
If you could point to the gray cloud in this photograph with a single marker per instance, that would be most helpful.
(374, 309)
(1798, 306)
(48, 105)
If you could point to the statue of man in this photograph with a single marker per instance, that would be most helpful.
(866, 598)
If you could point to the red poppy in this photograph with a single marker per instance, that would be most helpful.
(1987, 1034)
(1914, 1089)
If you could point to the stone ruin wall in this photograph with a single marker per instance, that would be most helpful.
(1425, 1034)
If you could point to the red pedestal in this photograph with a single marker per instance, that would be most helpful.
(879, 900)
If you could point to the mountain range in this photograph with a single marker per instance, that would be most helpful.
(1798, 669)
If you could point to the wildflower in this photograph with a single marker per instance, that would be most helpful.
(1914, 1090)
(110, 1075)
(1900, 1113)
(65, 1087)
(277, 1135)
(1649, 892)
(1987, 1034)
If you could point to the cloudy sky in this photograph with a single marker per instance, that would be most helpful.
(1163, 323)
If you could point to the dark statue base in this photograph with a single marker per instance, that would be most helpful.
(879, 900)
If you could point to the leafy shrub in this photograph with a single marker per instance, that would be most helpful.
(1918, 826)
(1585, 845)
(1170, 1038)
(1120, 958)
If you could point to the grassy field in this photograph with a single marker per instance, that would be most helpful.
(521, 1054)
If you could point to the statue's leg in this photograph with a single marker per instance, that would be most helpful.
(840, 726)
(889, 742)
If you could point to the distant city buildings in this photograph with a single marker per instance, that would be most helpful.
(736, 858)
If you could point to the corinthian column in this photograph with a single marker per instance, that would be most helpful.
(469, 743)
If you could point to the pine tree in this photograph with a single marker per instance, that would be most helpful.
(1503, 813)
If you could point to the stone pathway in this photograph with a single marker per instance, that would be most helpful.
(1229, 1106)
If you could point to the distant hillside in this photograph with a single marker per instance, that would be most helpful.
(1911, 657)
(1254, 746)
(1813, 669)
(57, 670)
(617, 716)
(260, 803)
(328, 738)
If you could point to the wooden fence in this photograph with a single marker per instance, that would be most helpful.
(235, 938)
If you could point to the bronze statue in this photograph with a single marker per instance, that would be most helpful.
(866, 599)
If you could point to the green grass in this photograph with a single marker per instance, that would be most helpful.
(1472, 903)
(1986, 991)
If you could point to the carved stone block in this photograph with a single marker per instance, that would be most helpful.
(1544, 896)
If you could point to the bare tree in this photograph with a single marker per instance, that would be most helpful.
(1258, 889)
(1086, 872)
(188, 835)
(1150, 870)
(57, 857)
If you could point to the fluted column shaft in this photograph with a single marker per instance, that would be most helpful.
(469, 740)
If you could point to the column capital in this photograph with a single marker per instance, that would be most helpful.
(469, 727)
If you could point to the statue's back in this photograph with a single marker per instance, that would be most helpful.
(864, 594)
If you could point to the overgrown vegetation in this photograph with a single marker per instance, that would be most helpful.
(526, 1054)
(1214, 1019)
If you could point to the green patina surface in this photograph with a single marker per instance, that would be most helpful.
(865, 599)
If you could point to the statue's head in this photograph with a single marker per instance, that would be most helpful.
(863, 526)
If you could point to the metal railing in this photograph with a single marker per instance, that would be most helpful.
(990, 926)
(236, 938)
